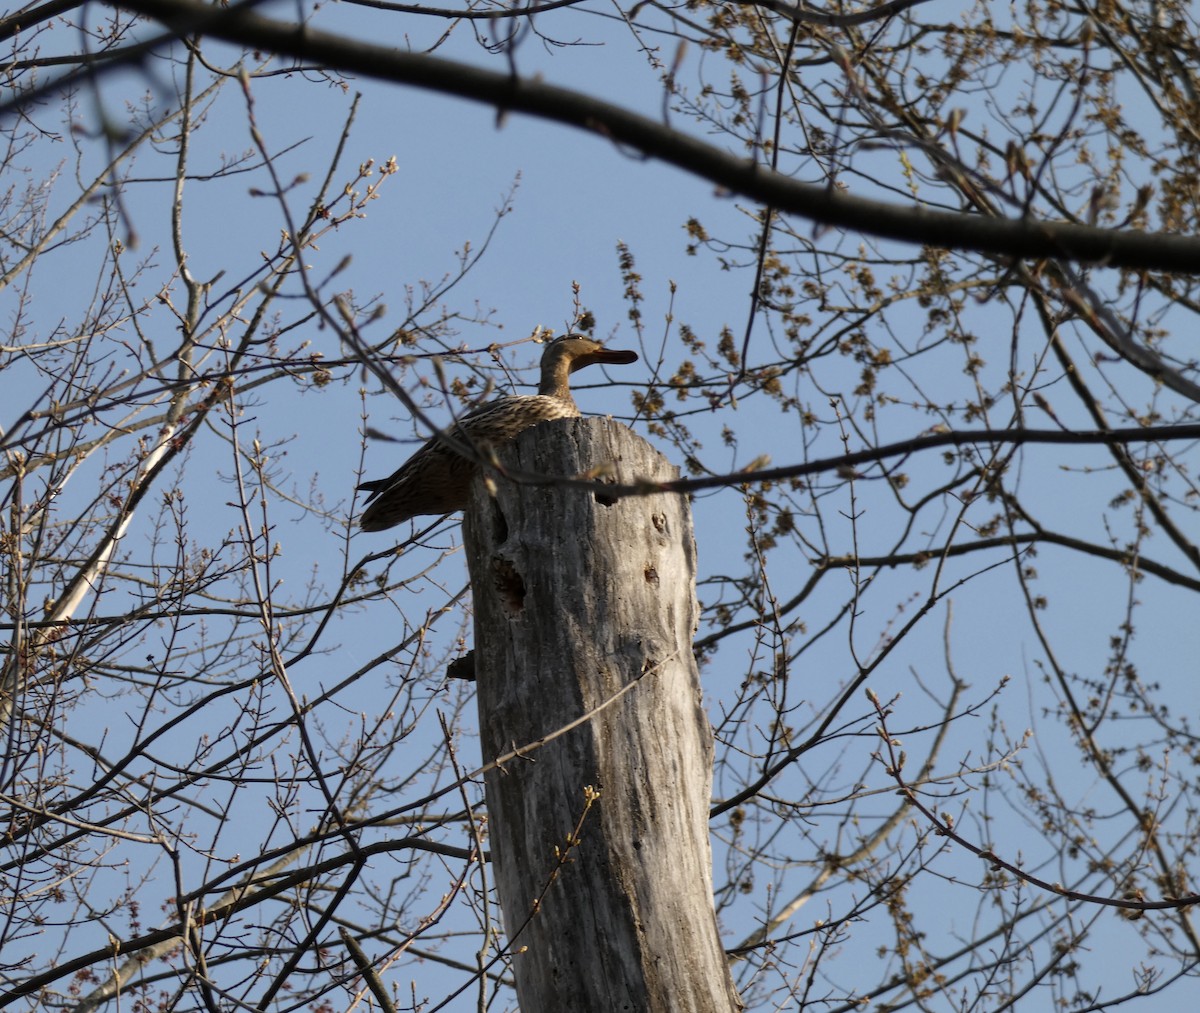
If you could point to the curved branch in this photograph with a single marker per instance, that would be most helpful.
(465, 14)
(997, 236)
(239, 899)
(871, 455)
(26, 18)
(796, 12)
(944, 827)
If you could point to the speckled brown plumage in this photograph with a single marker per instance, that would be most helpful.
(436, 479)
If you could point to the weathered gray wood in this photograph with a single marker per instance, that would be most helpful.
(581, 609)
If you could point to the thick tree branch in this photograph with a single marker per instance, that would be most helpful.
(1022, 238)
(883, 452)
(24, 19)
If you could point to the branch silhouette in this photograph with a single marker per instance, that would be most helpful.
(883, 452)
(1021, 238)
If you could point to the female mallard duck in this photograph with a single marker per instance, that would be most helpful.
(436, 479)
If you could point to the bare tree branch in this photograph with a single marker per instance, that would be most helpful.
(1022, 238)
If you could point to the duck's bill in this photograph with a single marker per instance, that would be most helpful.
(616, 357)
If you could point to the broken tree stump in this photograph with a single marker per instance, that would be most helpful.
(585, 611)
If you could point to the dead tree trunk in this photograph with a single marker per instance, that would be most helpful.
(584, 617)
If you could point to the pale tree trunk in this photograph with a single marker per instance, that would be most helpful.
(584, 617)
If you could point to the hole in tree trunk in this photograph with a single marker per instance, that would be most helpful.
(509, 584)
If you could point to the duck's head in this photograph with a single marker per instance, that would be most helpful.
(577, 351)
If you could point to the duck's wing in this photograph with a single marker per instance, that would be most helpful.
(433, 445)
(437, 478)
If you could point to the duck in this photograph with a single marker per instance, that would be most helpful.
(437, 478)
